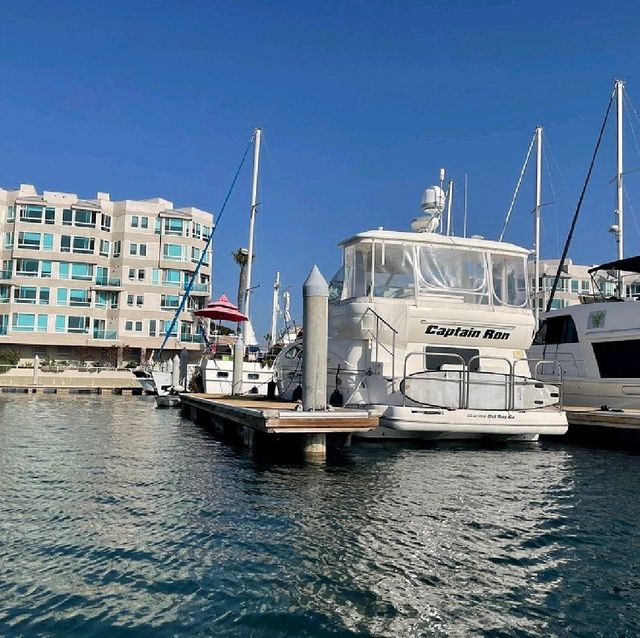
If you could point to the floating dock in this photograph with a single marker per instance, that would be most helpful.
(255, 420)
(612, 427)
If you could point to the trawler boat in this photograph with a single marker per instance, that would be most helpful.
(430, 330)
(597, 345)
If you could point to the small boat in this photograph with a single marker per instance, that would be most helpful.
(168, 400)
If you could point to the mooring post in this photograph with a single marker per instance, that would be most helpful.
(315, 318)
(238, 361)
(36, 369)
(175, 372)
(184, 362)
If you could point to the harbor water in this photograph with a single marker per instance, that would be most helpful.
(119, 519)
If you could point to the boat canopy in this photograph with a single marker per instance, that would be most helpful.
(630, 264)
(388, 268)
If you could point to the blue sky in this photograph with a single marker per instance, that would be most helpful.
(361, 103)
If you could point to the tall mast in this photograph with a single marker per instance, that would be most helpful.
(619, 193)
(466, 202)
(538, 203)
(274, 310)
(252, 219)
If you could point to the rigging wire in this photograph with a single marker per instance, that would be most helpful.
(515, 192)
(633, 212)
(216, 223)
(575, 215)
(554, 201)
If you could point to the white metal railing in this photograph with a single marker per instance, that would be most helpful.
(465, 382)
(379, 344)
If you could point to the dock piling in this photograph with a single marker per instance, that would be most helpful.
(315, 319)
(238, 360)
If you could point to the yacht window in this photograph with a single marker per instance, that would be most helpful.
(452, 271)
(336, 285)
(362, 271)
(436, 357)
(294, 352)
(253, 376)
(509, 280)
(618, 359)
(223, 375)
(393, 271)
(557, 330)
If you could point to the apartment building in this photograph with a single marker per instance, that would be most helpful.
(80, 276)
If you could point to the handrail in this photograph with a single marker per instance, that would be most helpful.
(462, 400)
(377, 341)
(510, 386)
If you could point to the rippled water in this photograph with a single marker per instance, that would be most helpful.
(119, 519)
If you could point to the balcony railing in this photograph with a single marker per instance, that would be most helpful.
(104, 281)
(185, 338)
(105, 334)
(5, 274)
(198, 288)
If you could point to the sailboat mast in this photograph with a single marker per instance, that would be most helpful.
(274, 310)
(538, 203)
(619, 189)
(449, 203)
(252, 218)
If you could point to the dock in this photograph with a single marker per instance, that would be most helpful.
(256, 421)
(604, 426)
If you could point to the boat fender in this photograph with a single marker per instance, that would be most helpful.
(336, 399)
(297, 393)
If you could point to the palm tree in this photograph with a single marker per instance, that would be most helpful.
(241, 257)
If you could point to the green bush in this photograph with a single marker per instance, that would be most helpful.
(9, 357)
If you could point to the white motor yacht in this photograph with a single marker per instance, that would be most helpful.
(431, 331)
(597, 345)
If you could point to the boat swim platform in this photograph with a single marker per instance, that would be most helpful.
(277, 417)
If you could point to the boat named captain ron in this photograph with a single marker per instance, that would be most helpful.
(469, 333)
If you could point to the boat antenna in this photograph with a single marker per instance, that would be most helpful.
(567, 243)
(216, 223)
(466, 186)
(449, 203)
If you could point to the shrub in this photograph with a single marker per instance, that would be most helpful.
(9, 357)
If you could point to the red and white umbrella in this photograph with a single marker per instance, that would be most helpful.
(222, 310)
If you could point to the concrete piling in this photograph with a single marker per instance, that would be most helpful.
(36, 369)
(175, 372)
(315, 320)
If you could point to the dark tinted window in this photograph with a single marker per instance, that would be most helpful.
(437, 357)
(557, 330)
(618, 359)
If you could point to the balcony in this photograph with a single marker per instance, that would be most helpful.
(198, 289)
(185, 338)
(114, 282)
(111, 335)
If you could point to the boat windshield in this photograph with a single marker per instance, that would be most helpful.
(407, 270)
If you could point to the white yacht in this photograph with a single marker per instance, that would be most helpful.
(597, 345)
(431, 331)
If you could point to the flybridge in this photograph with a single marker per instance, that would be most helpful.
(466, 333)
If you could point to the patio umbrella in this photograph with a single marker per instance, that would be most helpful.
(222, 310)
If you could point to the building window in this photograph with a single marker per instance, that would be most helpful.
(173, 226)
(25, 294)
(29, 241)
(106, 222)
(82, 271)
(157, 228)
(67, 217)
(170, 277)
(169, 302)
(27, 267)
(144, 222)
(206, 232)
(77, 324)
(23, 322)
(45, 268)
(173, 252)
(43, 296)
(8, 240)
(11, 213)
(129, 300)
(138, 249)
(104, 247)
(195, 254)
(31, 214)
(140, 300)
(79, 297)
(50, 216)
(134, 221)
(62, 296)
(575, 285)
(128, 325)
(42, 323)
(197, 230)
(4, 294)
(141, 274)
(166, 327)
(152, 327)
(138, 326)
(132, 274)
(117, 248)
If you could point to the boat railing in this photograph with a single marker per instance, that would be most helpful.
(461, 379)
(466, 382)
(556, 364)
(378, 343)
(510, 385)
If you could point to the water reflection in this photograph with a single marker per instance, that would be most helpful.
(117, 517)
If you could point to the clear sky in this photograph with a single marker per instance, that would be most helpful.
(360, 102)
